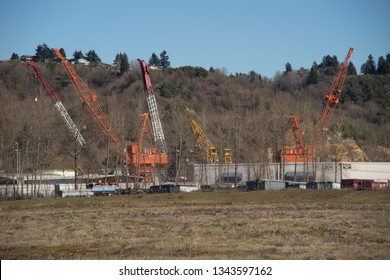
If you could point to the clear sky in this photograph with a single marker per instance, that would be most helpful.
(238, 35)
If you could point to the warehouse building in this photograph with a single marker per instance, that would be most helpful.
(336, 172)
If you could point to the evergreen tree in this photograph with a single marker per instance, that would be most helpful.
(313, 77)
(383, 65)
(14, 56)
(288, 68)
(92, 57)
(154, 60)
(252, 76)
(329, 61)
(78, 54)
(351, 70)
(43, 52)
(125, 65)
(194, 71)
(117, 59)
(387, 66)
(122, 60)
(369, 67)
(329, 65)
(164, 60)
(62, 51)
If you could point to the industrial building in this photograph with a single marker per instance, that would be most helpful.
(321, 175)
(336, 172)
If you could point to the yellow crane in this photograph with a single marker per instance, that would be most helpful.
(207, 146)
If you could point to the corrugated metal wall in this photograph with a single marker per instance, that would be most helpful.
(210, 174)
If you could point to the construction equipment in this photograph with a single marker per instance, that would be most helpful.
(58, 105)
(332, 98)
(144, 156)
(208, 147)
(152, 107)
(301, 152)
(90, 100)
(227, 155)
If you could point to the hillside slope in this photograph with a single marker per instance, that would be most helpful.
(244, 112)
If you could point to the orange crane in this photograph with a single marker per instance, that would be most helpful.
(144, 156)
(58, 105)
(90, 100)
(304, 152)
(332, 98)
(301, 152)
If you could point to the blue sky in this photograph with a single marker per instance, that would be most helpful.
(239, 35)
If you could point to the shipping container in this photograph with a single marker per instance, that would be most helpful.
(252, 185)
(265, 185)
(164, 188)
(103, 188)
(299, 176)
(272, 185)
(319, 185)
(358, 184)
(379, 185)
(231, 177)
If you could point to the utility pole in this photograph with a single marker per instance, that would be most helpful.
(17, 165)
(75, 165)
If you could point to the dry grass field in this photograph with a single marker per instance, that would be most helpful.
(289, 224)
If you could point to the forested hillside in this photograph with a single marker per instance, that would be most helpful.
(245, 112)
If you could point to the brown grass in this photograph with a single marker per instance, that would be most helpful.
(291, 224)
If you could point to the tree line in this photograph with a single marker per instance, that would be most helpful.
(44, 53)
(329, 63)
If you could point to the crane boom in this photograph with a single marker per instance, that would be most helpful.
(58, 105)
(301, 152)
(89, 98)
(204, 143)
(294, 121)
(332, 98)
(152, 107)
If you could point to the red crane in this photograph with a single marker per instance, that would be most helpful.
(332, 98)
(152, 107)
(144, 156)
(58, 105)
(90, 100)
